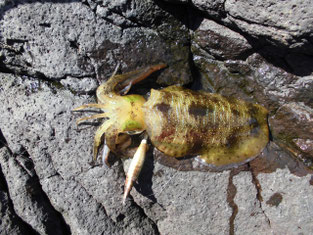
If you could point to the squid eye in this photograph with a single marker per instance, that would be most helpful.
(131, 132)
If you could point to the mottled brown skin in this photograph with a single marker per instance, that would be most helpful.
(180, 122)
(220, 130)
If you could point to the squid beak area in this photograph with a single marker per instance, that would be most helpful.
(135, 168)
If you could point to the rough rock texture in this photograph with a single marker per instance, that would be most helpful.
(286, 23)
(280, 199)
(280, 23)
(53, 56)
(29, 201)
(10, 223)
(176, 197)
(221, 42)
(250, 217)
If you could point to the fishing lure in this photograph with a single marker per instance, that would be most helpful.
(220, 130)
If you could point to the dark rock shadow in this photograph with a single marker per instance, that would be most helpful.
(15, 219)
(297, 61)
(3, 141)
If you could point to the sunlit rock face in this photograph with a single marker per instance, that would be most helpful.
(53, 56)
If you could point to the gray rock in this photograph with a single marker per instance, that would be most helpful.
(271, 22)
(292, 125)
(85, 85)
(29, 202)
(52, 37)
(55, 40)
(186, 202)
(279, 190)
(53, 55)
(177, 1)
(251, 216)
(220, 42)
(284, 22)
(287, 196)
(213, 8)
(10, 223)
(43, 124)
(296, 114)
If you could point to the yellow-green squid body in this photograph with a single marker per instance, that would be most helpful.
(221, 131)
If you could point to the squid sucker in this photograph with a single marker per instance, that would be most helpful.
(221, 131)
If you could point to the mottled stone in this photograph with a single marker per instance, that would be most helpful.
(220, 42)
(250, 217)
(305, 145)
(41, 125)
(10, 223)
(53, 55)
(292, 124)
(56, 40)
(293, 120)
(85, 85)
(296, 202)
(285, 23)
(211, 7)
(29, 201)
(184, 202)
